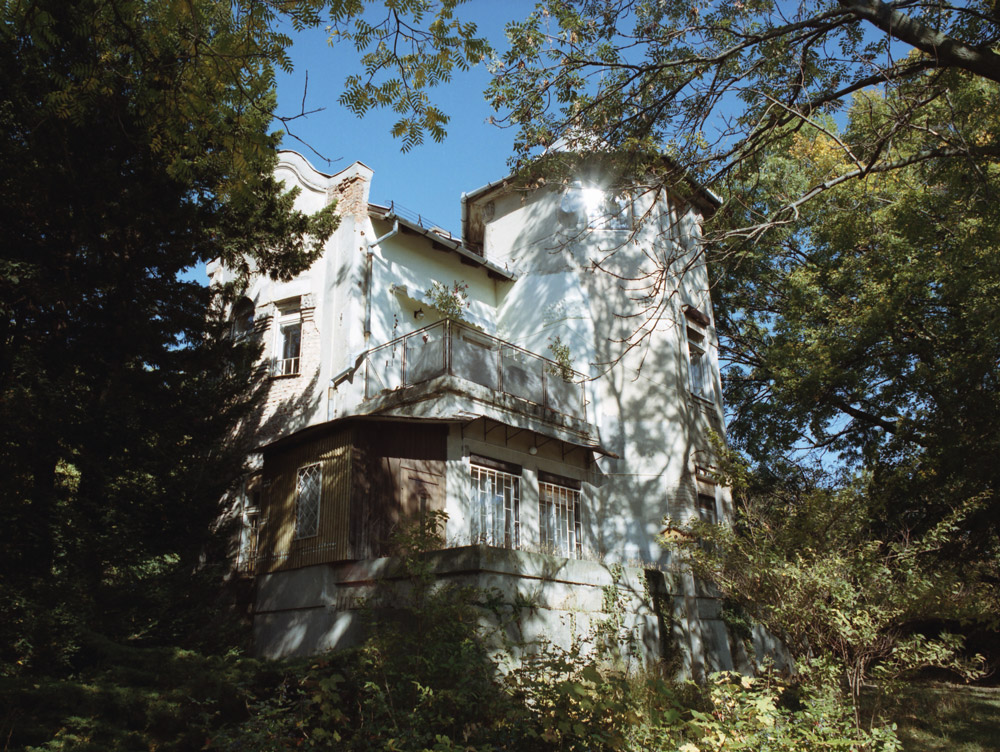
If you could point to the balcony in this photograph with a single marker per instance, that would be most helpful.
(450, 348)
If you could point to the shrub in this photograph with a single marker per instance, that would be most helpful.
(451, 302)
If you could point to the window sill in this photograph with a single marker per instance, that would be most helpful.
(702, 400)
(277, 376)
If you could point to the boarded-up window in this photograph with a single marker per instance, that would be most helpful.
(308, 493)
(559, 519)
(496, 501)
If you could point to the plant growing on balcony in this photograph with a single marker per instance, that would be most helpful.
(563, 358)
(450, 301)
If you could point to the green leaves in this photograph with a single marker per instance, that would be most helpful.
(417, 45)
(848, 328)
(845, 594)
(134, 147)
(450, 301)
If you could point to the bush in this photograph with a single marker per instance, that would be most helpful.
(130, 698)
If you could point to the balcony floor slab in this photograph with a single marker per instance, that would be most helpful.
(453, 398)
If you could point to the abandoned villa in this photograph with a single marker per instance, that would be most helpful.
(487, 376)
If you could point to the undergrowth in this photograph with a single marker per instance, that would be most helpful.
(428, 677)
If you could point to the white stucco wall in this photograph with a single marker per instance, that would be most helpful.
(576, 284)
(584, 286)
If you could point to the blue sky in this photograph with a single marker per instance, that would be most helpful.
(430, 179)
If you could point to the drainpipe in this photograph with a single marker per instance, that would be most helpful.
(346, 375)
(349, 371)
(369, 271)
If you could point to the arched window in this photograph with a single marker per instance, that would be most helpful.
(243, 312)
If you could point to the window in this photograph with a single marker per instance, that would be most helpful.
(308, 493)
(496, 500)
(249, 548)
(251, 543)
(617, 213)
(705, 487)
(242, 323)
(288, 346)
(559, 515)
(706, 509)
(700, 368)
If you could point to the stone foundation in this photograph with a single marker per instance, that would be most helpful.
(536, 600)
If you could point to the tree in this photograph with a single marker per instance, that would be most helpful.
(847, 598)
(855, 145)
(403, 58)
(134, 146)
(713, 86)
(866, 326)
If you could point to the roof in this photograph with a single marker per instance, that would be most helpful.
(706, 195)
(441, 241)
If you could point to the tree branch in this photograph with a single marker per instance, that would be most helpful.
(947, 51)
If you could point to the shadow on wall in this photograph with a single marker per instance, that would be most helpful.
(632, 315)
(598, 290)
(273, 419)
(525, 604)
(260, 423)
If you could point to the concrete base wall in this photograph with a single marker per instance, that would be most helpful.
(652, 618)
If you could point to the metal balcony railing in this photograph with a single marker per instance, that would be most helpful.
(450, 347)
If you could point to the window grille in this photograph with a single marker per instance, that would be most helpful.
(496, 500)
(308, 492)
(559, 516)
(251, 548)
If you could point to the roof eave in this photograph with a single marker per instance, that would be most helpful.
(451, 244)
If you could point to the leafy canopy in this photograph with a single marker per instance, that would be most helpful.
(416, 45)
(713, 84)
(134, 145)
(848, 597)
(867, 326)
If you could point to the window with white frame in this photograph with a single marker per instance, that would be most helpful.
(496, 501)
(288, 341)
(699, 365)
(308, 494)
(559, 515)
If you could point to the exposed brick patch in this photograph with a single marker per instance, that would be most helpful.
(350, 197)
(287, 399)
